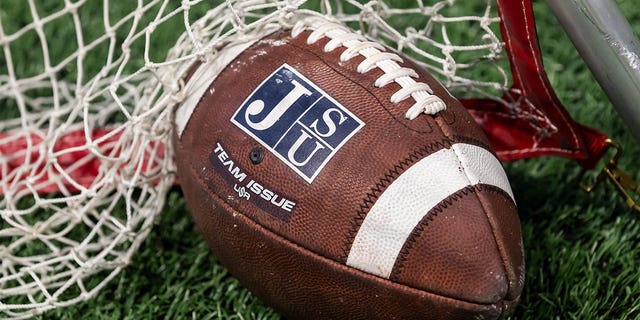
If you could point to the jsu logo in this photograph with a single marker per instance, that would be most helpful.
(297, 121)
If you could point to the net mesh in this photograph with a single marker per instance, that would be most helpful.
(87, 88)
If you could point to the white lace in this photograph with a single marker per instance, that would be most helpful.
(375, 56)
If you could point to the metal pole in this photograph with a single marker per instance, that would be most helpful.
(606, 42)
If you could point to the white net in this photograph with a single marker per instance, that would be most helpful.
(86, 92)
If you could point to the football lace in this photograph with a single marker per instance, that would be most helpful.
(375, 56)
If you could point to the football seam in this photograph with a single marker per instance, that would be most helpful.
(498, 245)
(431, 216)
(389, 177)
(489, 220)
(237, 214)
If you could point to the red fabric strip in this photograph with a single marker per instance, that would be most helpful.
(531, 121)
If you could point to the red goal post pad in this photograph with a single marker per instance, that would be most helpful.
(530, 121)
(75, 165)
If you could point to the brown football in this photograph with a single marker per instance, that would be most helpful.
(337, 180)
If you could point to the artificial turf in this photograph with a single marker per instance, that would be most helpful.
(582, 250)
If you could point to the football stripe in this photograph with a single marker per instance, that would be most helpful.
(402, 206)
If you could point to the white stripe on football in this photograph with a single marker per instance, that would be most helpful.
(414, 193)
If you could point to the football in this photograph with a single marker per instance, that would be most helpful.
(337, 179)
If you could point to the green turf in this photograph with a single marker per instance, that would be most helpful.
(582, 250)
